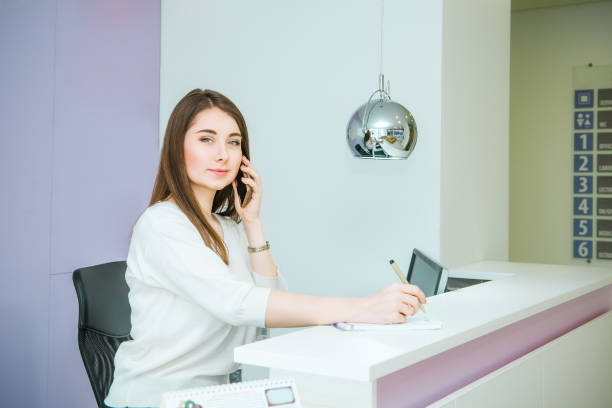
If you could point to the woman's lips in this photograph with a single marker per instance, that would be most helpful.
(218, 172)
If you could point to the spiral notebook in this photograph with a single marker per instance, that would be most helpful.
(273, 392)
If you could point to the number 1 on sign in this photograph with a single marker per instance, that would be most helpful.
(583, 141)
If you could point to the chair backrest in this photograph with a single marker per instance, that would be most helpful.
(104, 321)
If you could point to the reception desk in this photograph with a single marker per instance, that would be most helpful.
(496, 334)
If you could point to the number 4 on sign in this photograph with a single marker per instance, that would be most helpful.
(583, 206)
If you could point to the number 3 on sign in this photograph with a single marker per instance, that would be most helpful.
(583, 249)
(583, 206)
(583, 184)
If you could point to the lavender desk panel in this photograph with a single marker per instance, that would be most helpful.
(430, 380)
(26, 125)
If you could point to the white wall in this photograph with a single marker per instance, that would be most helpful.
(298, 70)
(475, 117)
(546, 45)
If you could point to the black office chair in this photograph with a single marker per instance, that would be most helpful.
(104, 321)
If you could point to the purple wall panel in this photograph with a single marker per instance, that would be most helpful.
(26, 127)
(79, 122)
(105, 157)
(106, 132)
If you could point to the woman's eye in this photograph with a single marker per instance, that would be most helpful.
(235, 142)
(206, 139)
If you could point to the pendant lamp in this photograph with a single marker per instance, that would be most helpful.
(381, 128)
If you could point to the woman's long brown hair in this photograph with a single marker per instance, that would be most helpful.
(172, 180)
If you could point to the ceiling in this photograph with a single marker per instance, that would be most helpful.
(521, 5)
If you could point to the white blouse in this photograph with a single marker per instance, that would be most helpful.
(189, 309)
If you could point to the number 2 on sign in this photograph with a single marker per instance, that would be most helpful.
(583, 163)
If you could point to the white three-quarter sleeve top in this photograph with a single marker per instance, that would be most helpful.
(189, 309)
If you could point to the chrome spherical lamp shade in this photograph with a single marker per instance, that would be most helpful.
(381, 129)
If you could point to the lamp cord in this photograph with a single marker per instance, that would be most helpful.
(382, 13)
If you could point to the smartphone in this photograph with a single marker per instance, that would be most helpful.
(248, 194)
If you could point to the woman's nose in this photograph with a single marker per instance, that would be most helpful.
(221, 152)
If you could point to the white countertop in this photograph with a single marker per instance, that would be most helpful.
(522, 290)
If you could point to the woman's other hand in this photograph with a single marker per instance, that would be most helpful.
(391, 304)
(250, 212)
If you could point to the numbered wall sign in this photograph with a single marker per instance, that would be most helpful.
(591, 140)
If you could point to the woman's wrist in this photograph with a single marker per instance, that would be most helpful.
(358, 310)
(255, 223)
(254, 233)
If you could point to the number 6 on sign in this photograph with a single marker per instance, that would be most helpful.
(583, 206)
(583, 249)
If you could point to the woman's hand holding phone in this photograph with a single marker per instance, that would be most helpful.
(248, 210)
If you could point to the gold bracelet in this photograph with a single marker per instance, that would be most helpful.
(259, 249)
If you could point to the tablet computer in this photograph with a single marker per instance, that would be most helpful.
(426, 274)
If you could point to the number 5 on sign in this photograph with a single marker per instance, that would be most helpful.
(583, 206)
(583, 249)
(583, 227)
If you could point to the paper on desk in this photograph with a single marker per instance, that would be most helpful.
(416, 322)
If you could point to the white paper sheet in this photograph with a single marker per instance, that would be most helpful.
(416, 322)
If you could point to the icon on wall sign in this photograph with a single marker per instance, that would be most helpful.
(604, 250)
(604, 119)
(605, 98)
(583, 120)
(583, 98)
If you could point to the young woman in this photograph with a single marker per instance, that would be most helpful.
(200, 271)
